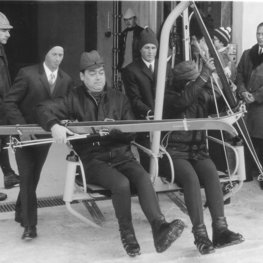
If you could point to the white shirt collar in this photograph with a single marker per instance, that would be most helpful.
(148, 63)
(48, 71)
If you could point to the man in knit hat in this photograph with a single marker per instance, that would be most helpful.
(10, 178)
(108, 160)
(128, 40)
(32, 85)
(139, 80)
(139, 77)
(221, 41)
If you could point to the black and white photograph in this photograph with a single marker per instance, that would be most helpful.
(131, 131)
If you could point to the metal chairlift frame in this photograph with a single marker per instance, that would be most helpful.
(90, 196)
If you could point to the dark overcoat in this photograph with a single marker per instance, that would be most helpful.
(30, 88)
(139, 83)
(5, 82)
(250, 78)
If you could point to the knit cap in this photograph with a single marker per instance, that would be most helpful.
(147, 36)
(90, 60)
(223, 34)
(4, 22)
(185, 70)
(48, 44)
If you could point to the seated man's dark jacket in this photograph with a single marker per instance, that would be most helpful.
(79, 105)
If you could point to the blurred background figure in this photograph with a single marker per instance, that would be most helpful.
(129, 39)
(10, 178)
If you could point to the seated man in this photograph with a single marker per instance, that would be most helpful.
(109, 162)
(189, 98)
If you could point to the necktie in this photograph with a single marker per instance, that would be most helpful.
(52, 79)
(151, 68)
(260, 51)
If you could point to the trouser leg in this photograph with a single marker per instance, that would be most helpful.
(100, 173)
(208, 177)
(187, 178)
(144, 140)
(4, 158)
(140, 179)
(30, 161)
(258, 144)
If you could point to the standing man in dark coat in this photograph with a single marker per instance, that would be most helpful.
(250, 87)
(33, 85)
(139, 80)
(10, 178)
(128, 40)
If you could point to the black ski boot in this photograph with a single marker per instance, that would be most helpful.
(129, 241)
(222, 236)
(164, 234)
(202, 241)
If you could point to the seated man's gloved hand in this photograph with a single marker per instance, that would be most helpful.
(208, 69)
(209, 64)
(59, 133)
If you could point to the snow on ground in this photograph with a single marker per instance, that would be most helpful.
(62, 238)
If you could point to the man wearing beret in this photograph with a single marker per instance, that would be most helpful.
(108, 160)
(10, 178)
(128, 40)
(32, 85)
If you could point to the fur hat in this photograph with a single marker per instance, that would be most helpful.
(185, 70)
(223, 34)
(129, 14)
(90, 60)
(4, 22)
(147, 36)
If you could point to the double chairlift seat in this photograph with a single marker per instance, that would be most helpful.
(90, 194)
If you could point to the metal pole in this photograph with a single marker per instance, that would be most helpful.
(161, 75)
(186, 35)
